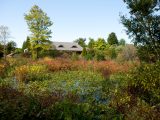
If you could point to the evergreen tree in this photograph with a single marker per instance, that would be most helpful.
(112, 39)
(26, 44)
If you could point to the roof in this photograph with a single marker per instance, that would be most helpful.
(67, 46)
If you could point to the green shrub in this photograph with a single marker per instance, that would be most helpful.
(90, 54)
(48, 53)
(84, 52)
(99, 56)
(83, 111)
(17, 106)
(137, 96)
(13, 104)
(112, 52)
(18, 50)
(145, 83)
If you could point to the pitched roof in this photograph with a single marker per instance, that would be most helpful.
(67, 46)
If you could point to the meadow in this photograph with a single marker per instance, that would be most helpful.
(65, 89)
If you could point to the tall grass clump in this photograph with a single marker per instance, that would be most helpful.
(26, 73)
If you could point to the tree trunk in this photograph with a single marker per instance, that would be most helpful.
(4, 51)
(34, 54)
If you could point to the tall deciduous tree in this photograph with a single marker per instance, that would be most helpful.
(4, 35)
(143, 26)
(112, 39)
(38, 23)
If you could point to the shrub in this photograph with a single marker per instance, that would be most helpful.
(19, 61)
(56, 105)
(84, 52)
(99, 56)
(50, 53)
(2, 70)
(13, 104)
(27, 73)
(74, 56)
(21, 73)
(145, 83)
(128, 53)
(4, 65)
(90, 54)
(83, 111)
(139, 97)
(112, 52)
(57, 64)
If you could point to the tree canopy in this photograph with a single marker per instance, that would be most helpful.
(91, 43)
(81, 42)
(100, 44)
(10, 47)
(122, 42)
(38, 23)
(4, 36)
(143, 26)
(112, 39)
(26, 44)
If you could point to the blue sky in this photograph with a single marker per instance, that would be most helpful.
(72, 18)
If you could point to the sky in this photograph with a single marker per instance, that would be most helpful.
(71, 18)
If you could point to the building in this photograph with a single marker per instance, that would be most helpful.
(67, 46)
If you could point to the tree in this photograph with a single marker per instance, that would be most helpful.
(81, 42)
(91, 43)
(1, 50)
(122, 42)
(112, 39)
(143, 26)
(26, 44)
(4, 35)
(38, 23)
(100, 44)
(10, 47)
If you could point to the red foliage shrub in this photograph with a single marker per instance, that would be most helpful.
(56, 64)
(105, 67)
